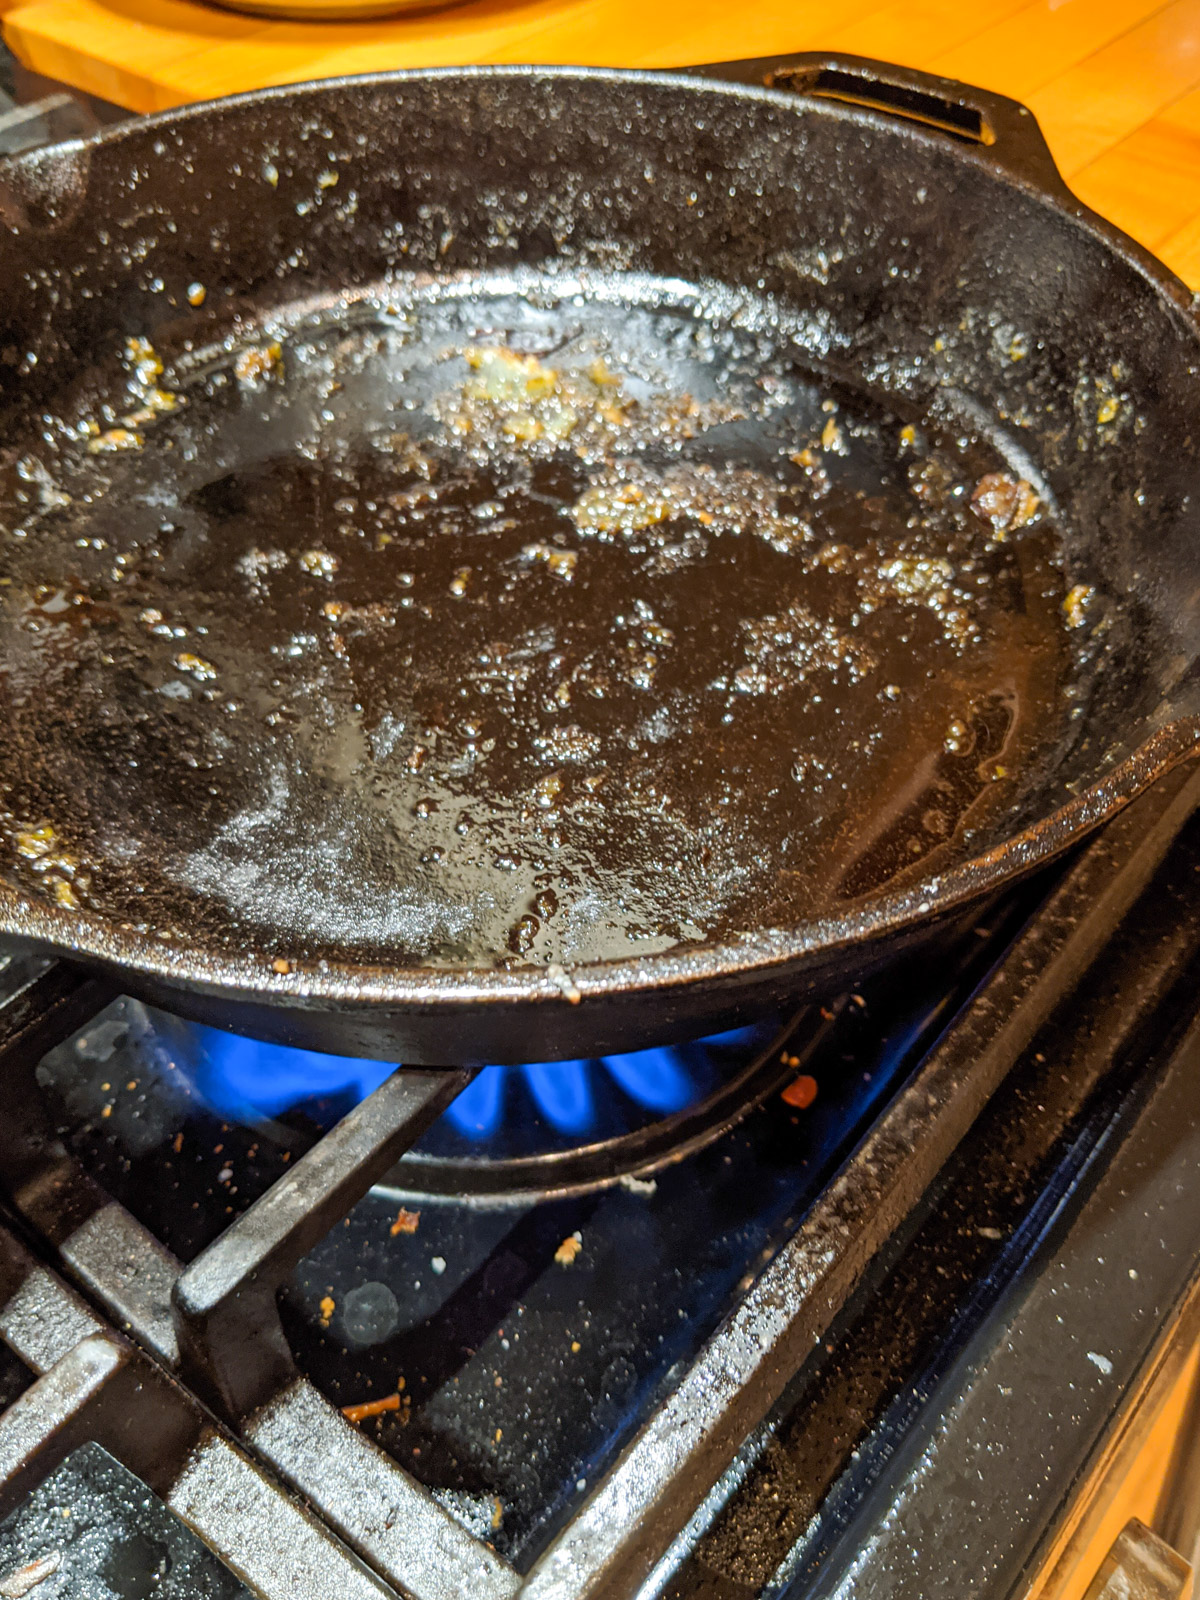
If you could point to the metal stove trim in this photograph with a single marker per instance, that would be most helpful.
(988, 1434)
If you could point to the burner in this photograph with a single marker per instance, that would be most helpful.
(549, 1126)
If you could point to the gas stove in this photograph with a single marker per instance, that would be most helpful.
(893, 1295)
(865, 1295)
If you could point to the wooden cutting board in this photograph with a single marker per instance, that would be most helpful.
(1114, 83)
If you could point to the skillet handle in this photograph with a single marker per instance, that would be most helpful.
(1004, 132)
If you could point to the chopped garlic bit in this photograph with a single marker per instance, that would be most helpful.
(1077, 603)
(33, 843)
(115, 439)
(143, 359)
(832, 438)
(319, 563)
(619, 508)
(1004, 502)
(259, 364)
(561, 563)
(203, 671)
(41, 847)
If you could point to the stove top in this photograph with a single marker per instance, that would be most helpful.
(716, 1321)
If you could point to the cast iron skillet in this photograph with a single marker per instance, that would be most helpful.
(428, 739)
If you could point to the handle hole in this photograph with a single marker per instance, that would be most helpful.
(832, 83)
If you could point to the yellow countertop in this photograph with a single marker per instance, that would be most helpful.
(1114, 83)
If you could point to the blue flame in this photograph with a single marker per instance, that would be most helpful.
(478, 1108)
(244, 1080)
(656, 1079)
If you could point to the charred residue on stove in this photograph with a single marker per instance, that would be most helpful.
(1004, 1187)
(517, 625)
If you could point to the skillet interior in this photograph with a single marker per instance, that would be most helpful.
(894, 265)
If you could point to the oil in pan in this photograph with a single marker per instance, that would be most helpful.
(501, 621)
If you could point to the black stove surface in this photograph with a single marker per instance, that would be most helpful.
(97, 1533)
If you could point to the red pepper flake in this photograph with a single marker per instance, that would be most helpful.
(371, 1408)
(406, 1222)
(801, 1092)
(177, 1143)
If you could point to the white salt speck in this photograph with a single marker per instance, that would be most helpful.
(1100, 1361)
(438, 1265)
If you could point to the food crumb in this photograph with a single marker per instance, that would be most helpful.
(196, 294)
(569, 1249)
(177, 1143)
(281, 965)
(406, 1222)
(575, 1347)
(801, 1092)
(371, 1408)
(327, 1307)
(27, 1578)
(497, 1508)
